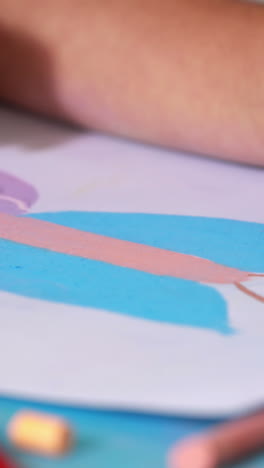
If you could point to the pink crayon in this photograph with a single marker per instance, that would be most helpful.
(228, 443)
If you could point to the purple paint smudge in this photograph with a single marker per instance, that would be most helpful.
(16, 195)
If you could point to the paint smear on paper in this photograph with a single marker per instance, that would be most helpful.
(58, 277)
(51, 276)
(123, 253)
(16, 196)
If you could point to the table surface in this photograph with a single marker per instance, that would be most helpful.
(106, 439)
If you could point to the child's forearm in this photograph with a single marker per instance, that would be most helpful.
(185, 73)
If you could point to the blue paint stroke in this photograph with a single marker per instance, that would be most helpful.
(57, 277)
(237, 244)
(52, 276)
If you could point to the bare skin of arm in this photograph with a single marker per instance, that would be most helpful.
(187, 74)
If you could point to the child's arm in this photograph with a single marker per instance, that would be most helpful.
(185, 73)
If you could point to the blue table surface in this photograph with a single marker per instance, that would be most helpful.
(106, 439)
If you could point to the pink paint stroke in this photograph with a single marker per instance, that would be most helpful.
(65, 240)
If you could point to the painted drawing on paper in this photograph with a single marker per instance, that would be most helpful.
(183, 270)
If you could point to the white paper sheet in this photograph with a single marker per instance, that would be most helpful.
(59, 350)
